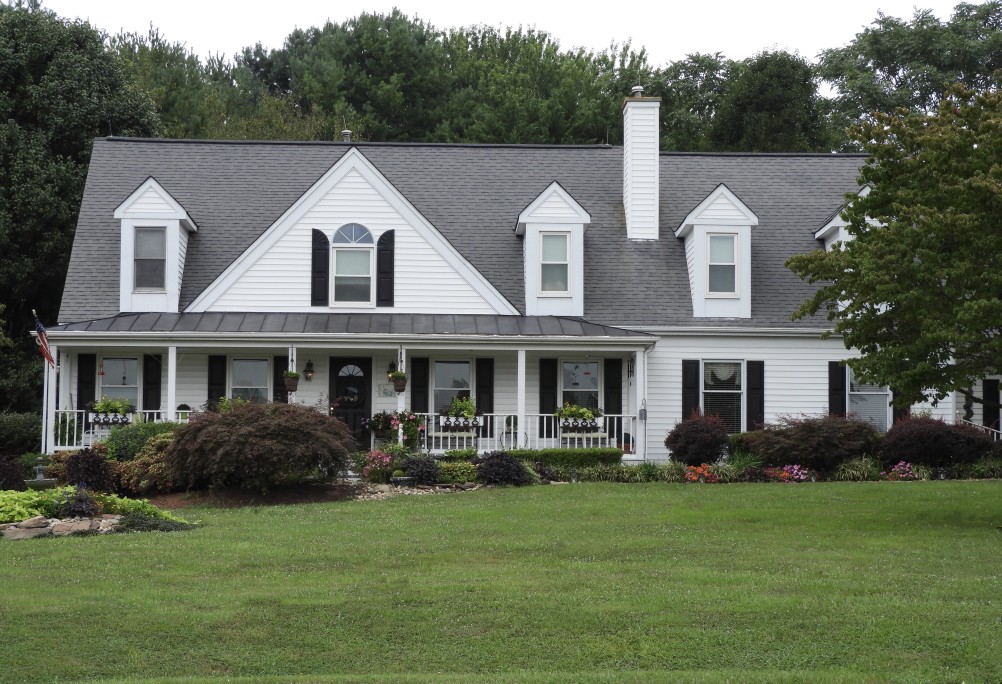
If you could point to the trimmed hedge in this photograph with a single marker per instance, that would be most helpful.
(817, 442)
(20, 432)
(456, 472)
(569, 458)
(934, 443)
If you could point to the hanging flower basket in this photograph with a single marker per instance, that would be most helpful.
(291, 384)
(399, 380)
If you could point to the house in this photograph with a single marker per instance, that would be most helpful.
(527, 276)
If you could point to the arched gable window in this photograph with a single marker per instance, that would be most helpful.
(354, 255)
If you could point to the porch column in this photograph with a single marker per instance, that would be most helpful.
(520, 398)
(641, 409)
(292, 366)
(401, 365)
(51, 392)
(171, 383)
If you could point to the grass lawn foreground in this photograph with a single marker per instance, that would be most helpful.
(826, 582)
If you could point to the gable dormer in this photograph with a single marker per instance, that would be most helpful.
(154, 242)
(552, 227)
(717, 235)
(833, 231)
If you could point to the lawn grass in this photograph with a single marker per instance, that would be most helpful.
(576, 583)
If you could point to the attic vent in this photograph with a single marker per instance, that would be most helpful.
(346, 135)
(637, 91)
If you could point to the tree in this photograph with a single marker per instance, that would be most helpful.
(60, 89)
(770, 104)
(691, 91)
(895, 63)
(918, 287)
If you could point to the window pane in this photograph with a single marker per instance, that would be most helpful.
(871, 407)
(250, 373)
(721, 249)
(351, 262)
(130, 394)
(150, 273)
(722, 375)
(352, 233)
(857, 386)
(554, 278)
(452, 379)
(254, 394)
(554, 248)
(352, 289)
(120, 372)
(727, 405)
(587, 399)
(151, 243)
(578, 375)
(722, 279)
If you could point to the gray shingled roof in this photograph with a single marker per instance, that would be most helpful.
(473, 194)
(355, 323)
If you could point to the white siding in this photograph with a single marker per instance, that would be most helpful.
(425, 281)
(640, 169)
(150, 202)
(554, 206)
(722, 209)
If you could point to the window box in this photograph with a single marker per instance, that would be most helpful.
(458, 424)
(98, 418)
(579, 425)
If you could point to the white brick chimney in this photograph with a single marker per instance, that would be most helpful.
(640, 164)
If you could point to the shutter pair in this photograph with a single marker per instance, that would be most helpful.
(692, 390)
(320, 270)
(87, 380)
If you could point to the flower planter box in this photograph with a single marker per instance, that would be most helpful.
(381, 434)
(109, 418)
(453, 424)
(575, 426)
(402, 481)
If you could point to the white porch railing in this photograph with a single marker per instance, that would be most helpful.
(74, 430)
(498, 431)
(996, 435)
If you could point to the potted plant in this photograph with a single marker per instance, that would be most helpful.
(291, 380)
(108, 411)
(575, 418)
(380, 424)
(400, 479)
(399, 379)
(461, 414)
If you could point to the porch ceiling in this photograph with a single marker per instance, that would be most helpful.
(365, 324)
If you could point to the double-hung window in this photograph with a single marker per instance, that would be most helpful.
(250, 380)
(120, 379)
(579, 383)
(151, 259)
(722, 392)
(452, 378)
(353, 262)
(722, 264)
(554, 263)
(869, 402)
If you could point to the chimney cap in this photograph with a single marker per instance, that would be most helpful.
(637, 91)
(346, 135)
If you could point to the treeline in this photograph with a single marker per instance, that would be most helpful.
(394, 78)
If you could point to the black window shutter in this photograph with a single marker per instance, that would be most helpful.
(217, 378)
(320, 281)
(549, 387)
(152, 364)
(418, 376)
(485, 392)
(899, 412)
(690, 387)
(991, 395)
(612, 394)
(755, 397)
(279, 365)
(384, 269)
(86, 379)
(836, 388)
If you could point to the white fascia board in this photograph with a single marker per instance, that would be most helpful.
(174, 209)
(689, 331)
(836, 222)
(576, 213)
(353, 160)
(748, 217)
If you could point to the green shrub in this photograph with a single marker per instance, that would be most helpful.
(739, 467)
(697, 439)
(987, 468)
(424, 469)
(456, 472)
(18, 506)
(569, 458)
(112, 503)
(90, 469)
(143, 522)
(78, 504)
(151, 471)
(862, 469)
(20, 432)
(127, 441)
(819, 443)
(258, 446)
(934, 443)
(673, 471)
(459, 455)
(501, 468)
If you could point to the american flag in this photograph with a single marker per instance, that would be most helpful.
(42, 340)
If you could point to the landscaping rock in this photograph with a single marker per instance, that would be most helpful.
(37, 521)
(27, 532)
(40, 526)
(4, 526)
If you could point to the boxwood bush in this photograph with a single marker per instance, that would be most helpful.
(569, 458)
(820, 443)
(456, 472)
(259, 446)
(20, 432)
(934, 443)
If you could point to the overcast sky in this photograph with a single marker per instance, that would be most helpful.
(669, 30)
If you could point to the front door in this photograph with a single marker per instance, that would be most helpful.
(351, 391)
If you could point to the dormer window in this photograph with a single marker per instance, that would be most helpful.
(354, 254)
(722, 265)
(554, 263)
(151, 259)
